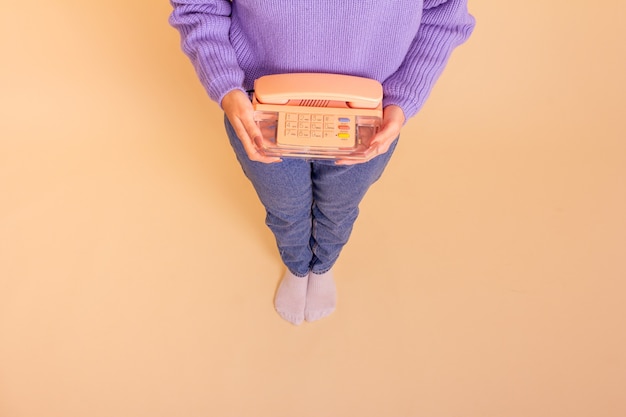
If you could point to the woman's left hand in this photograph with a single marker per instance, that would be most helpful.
(393, 120)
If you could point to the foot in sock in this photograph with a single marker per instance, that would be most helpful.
(321, 296)
(291, 298)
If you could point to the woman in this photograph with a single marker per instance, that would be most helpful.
(312, 204)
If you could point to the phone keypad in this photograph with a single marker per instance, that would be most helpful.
(310, 129)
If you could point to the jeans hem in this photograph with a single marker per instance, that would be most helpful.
(298, 275)
(322, 272)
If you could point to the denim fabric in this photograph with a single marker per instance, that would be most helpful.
(311, 205)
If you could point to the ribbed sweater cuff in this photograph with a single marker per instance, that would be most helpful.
(229, 78)
(398, 98)
(217, 88)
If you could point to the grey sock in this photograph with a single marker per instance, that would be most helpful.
(321, 296)
(291, 298)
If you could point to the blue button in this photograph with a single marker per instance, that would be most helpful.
(344, 120)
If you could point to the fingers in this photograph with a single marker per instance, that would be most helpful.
(246, 132)
(393, 119)
(240, 113)
(379, 146)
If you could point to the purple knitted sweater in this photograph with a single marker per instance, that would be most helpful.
(404, 44)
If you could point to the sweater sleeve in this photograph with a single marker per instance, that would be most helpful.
(204, 27)
(445, 24)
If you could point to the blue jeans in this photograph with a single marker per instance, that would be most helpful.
(311, 205)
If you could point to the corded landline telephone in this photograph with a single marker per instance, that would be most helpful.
(316, 115)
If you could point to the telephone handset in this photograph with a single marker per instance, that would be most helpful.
(354, 92)
(315, 115)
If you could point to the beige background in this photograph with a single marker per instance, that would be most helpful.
(485, 277)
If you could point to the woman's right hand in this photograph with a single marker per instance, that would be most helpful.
(240, 113)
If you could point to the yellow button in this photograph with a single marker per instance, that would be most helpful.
(343, 135)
